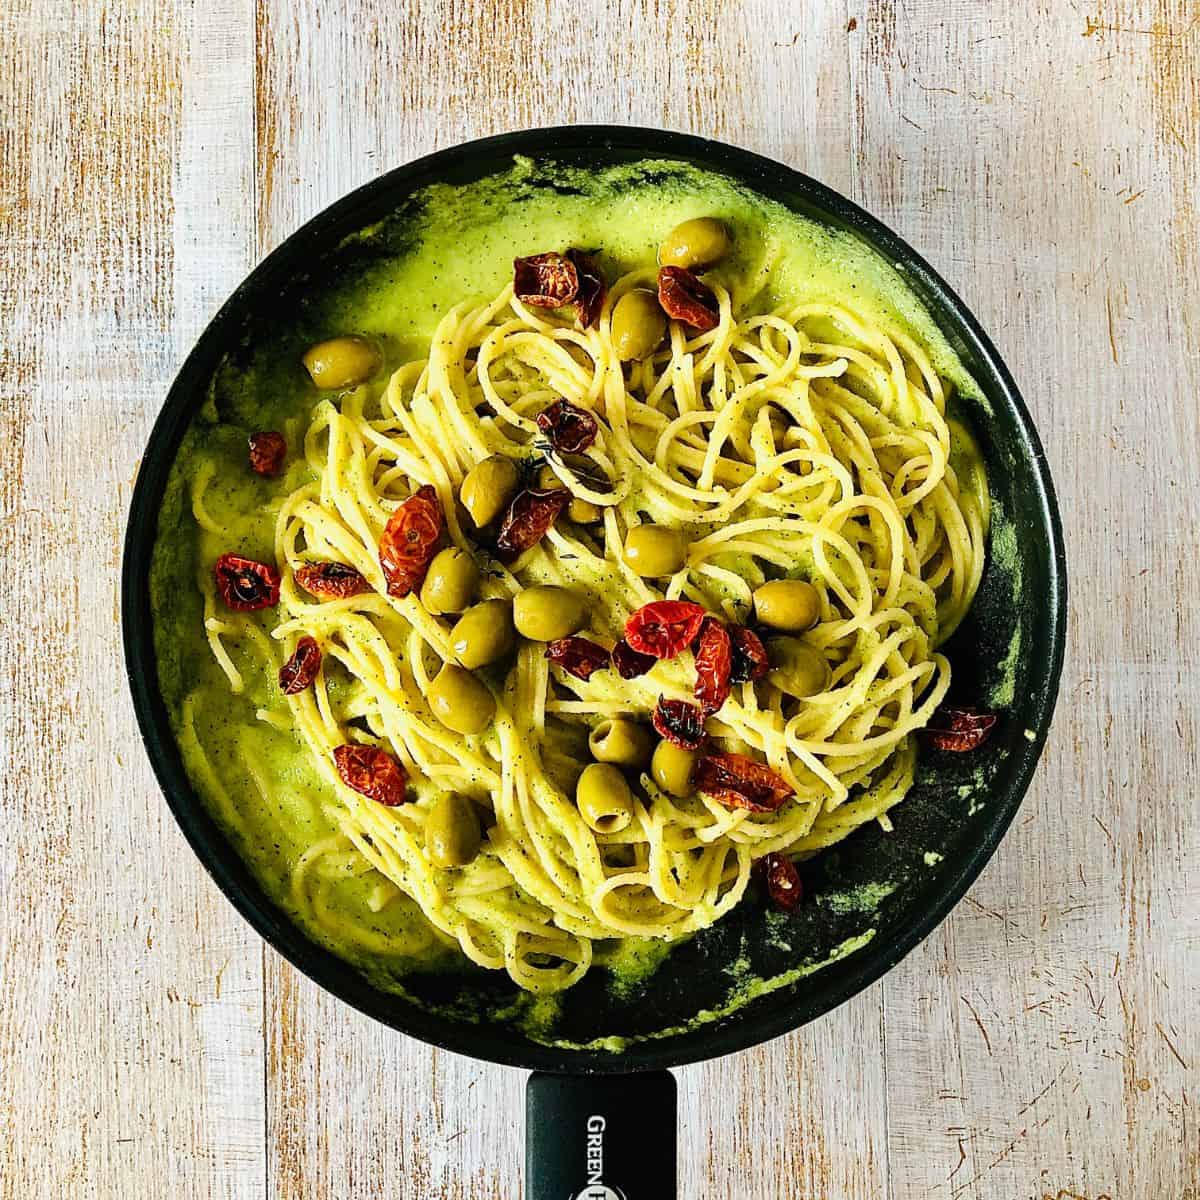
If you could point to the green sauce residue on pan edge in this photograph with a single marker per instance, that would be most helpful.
(536, 1016)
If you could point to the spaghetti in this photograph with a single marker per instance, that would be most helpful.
(808, 442)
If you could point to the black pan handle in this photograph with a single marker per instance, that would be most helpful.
(600, 1137)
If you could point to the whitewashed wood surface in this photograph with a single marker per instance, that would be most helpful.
(1043, 1043)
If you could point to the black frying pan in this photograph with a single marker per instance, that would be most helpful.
(620, 1129)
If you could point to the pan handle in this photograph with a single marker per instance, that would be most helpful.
(600, 1137)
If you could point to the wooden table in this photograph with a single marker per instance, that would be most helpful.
(1043, 1042)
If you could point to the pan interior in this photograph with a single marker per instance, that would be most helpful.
(867, 895)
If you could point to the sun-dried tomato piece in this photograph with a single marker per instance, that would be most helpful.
(739, 782)
(629, 662)
(530, 514)
(549, 280)
(577, 656)
(782, 880)
(687, 299)
(750, 661)
(301, 669)
(959, 729)
(679, 722)
(714, 661)
(245, 585)
(409, 541)
(267, 452)
(373, 773)
(664, 628)
(331, 580)
(569, 429)
(592, 289)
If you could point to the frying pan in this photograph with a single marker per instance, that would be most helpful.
(600, 1120)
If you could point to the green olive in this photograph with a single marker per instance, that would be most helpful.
(484, 634)
(460, 701)
(672, 768)
(342, 362)
(638, 324)
(488, 487)
(545, 613)
(452, 833)
(583, 512)
(695, 244)
(603, 798)
(736, 745)
(797, 669)
(621, 741)
(450, 582)
(653, 551)
(789, 604)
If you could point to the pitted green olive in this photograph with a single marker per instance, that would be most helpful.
(484, 634)
(736, 745)
(450, 582)
(460, 701)
(797, 669)
(696, 244)
(622, 742)
(488, 487)
(604, 799)
(545, 613)
(452, 833)
(653, 551)
(342, 362)
(672, 768)
(789, 604)
(638, 325)
(582, 512)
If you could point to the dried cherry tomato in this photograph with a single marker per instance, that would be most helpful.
(664, 628)
(570, 429)
(577, 656)
(549, 280)
(781, 879)
(267, 452)
(750, 661)
(530, 514)
(629, 662)
(685, 298)
(372, 772)
(592, 289)
(408, 542)
(301, 669)
(331, 580)
(739, 782)
(679, 722)
(245, 585)
(714, 662)
(959, 729)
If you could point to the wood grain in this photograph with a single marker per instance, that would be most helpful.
(131, 1046)
(1041, 1044)
(1057, 1010)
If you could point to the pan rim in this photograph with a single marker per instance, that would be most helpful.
(221, 860)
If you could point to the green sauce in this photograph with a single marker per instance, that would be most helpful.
(863, 899)
(450, 245)
(747, 987)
